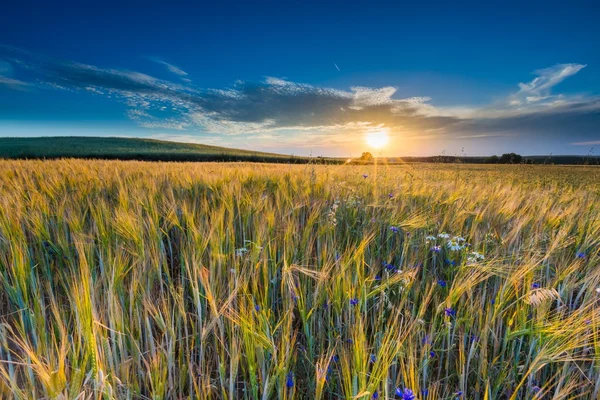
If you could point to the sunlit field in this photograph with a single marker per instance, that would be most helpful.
(133, 280)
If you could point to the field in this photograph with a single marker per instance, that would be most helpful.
(135, 280)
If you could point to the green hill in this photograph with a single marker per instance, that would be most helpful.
(112, 148)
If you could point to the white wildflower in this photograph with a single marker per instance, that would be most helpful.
(443, 235)
(430, 238)
(454, 245)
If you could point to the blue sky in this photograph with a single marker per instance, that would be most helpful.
(302, 78)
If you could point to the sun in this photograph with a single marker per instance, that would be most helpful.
(377, 139)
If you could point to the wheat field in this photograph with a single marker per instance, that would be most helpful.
(134, 280)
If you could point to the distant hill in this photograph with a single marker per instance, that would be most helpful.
(115, 148)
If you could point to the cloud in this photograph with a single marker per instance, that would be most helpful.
(172, 68)
(539, 89)
(589, 143)
(280, 108)
(6, 79)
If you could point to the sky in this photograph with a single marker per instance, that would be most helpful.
(308, 78)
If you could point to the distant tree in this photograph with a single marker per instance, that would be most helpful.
(366, 156)
(511, 158)
(492, 160)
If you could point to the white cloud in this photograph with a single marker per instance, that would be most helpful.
(172, 68)
(588, 143)
(13, 83)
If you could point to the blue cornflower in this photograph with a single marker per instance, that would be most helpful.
(449, 312)
(376, 395)
(441, 282)
(436, 249)
(580, 255)
(257, 308)
(389, 267)
(394, 229)
(336, 358)
(377, 277)
(535, 285)
(373, 358)
(408, 395)
(399, 392)
(365, 176)
(425, 392)
(535, 389)
(391, 195)
(337, 256)
(353, 301)
(432, 354)
(289, 381)
(426, 340)
(459, 393)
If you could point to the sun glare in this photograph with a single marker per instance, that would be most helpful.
(377, 139)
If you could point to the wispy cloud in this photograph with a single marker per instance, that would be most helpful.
(6, 79)
(172, 68)
(588, 143)
(13, 83)
(283, 109)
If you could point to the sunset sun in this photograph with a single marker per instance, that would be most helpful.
(377, 139)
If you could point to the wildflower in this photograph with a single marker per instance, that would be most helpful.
(394, 229)
(432, 354)
(336, 358)
(289, 381)
(373, 358)
(377, 278)
(391, 195)
(257, 308)
(580, 255)
(430, 238)
(474, 256)
(535, 389)
(408, 395)
(376, 395)
(441, 282)
(365, 176)
(399, 392)
(424, 392)
(425, 340)
(459, 393)
(443, 235)
(535, 285)
(389, 267)
(454, 245)
(436, 249)
(450, 312)
(241, 252)
(588, 321)
(598, 290)
(353, 301)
